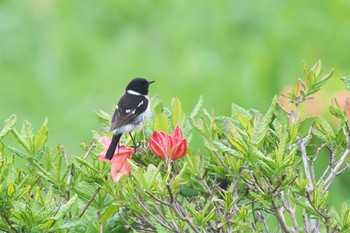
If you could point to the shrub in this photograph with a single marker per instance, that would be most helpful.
(253, 172)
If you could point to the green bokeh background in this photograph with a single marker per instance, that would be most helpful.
(63, 59)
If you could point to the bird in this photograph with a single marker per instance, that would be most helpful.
(130, 113)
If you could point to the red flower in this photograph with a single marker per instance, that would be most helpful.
(120, 165)
(167, 147)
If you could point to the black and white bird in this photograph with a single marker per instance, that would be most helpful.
(131, 112)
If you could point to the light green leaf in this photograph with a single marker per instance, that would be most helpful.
(10, 189)
(103, 116)
(237, 110)
(109, 212)
(161, 123)
(9, 124)
(310, 80)
(176, 111)
(197, 107)
(86, 164)
(225, 149)
(317, 68)
(259, 130)
(24, 192)
(346, 81)
(259, 198)
(40, 137)
(324, 127)
(65, 208)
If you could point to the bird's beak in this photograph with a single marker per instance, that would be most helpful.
(150, 82)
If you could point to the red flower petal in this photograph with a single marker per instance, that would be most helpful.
(179, 150)
(158, 144)
(120, 166)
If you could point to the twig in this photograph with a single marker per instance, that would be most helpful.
(126, 222)
(156, 198)
(342, 160)
(290, 210)
(64, 155)
(150, 212)
(178, 212)
(92, 146)
(221, 161)
(305, 161)
(306, 222)
(264, 221)
(256, 183)
(89, 202)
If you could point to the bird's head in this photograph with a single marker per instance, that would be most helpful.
(139, 86)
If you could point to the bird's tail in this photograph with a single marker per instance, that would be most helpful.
(113, 146)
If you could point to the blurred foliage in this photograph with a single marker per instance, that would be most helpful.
(62, 59)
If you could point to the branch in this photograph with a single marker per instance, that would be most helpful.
(290, 210)
(280, 217)
(302, 148)
(335, 171)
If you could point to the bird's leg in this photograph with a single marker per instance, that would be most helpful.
(133, 140)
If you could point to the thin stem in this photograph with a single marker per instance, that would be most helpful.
(140, 202)
(174, 206)
(89, 202)
(221, 161)
(125, 221)
(92, 146)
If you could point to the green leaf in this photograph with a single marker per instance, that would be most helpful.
(324, 127)
(296, 87)
(337, 111)
(225, 149)
(65, 208)
(317, 68)
(305, 126)
(161, 123)
(40, 137)
(24, 192)
(103, 116)
(259, 130)
(346, 81)
(237, 110)
(176, 112)
(10, 189)
(310, 80)
(108, 213)
(69, 226)
(197, 107)
(86, 164)
(261, 199)
(9, 124)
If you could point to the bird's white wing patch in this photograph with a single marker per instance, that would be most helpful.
(140, 103)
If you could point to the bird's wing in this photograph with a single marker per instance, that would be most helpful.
(127, 109)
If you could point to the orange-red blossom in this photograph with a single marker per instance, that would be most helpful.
(120, 165)
(167, 147)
